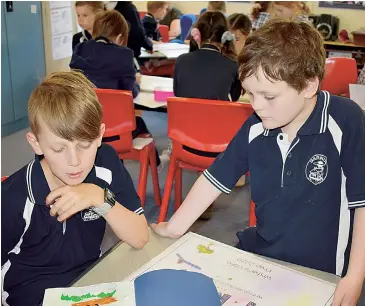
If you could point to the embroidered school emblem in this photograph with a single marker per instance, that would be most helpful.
(317, 169)
(89, 215)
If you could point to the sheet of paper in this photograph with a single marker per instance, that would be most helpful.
(240, 277)
(147, 99)
(113, 294)
(58, 4)
(62, 46)
(149, 83)
(170, 46)
(180, 288)
(61, 20)
(357, 94)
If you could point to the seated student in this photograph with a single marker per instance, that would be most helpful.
(210, 70)
(361, 79)
(305, 152)
(213, 6)
(156, 10)
(137, 37)
(260, 13)
(240, 27)
(108, 63)
(86, 11)
(172, 20)
(54, 210)
(292, 10)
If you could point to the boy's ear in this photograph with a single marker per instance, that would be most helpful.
(120, 41)
(312, 88)
(101, 134)
(32, 139)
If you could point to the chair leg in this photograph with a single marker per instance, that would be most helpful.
(178, 187)
(167, 191)
(143, 172)
(154, 174)
(252, 216)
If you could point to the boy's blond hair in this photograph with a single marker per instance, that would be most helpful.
(95, 5)
(219, 6)
(153, 6)
(287, 51)
(110, 24)
(67, 103)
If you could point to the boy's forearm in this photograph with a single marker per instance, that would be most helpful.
(356, 268)
(197, 201)
(128, 226)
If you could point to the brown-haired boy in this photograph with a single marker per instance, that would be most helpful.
(55, 209)
(86, 11)
(156, 10)
(217, 6)
(305, 152)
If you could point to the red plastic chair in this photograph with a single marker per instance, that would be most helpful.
(142, 14)
(340, 72)
(204, 125)
(252, 215)
(120, 121)
(164, 31)
(3, 178)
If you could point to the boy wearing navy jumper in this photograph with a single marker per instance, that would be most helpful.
(305, 152)
(54, 210)
(156, 10)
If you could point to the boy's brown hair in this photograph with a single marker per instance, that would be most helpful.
(67, 104)
(287, 51)
(301, 6)
(219, 6)
(153, 6)
(95, 5)
(110, 24)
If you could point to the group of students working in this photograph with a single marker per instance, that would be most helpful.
(304, 149)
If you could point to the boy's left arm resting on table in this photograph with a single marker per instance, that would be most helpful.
(133, 230)
(356, 268)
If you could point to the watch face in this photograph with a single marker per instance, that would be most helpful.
(110, 197)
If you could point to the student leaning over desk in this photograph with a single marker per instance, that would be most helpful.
(54, 210)
(305, 152)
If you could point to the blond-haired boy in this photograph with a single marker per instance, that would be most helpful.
(55, 209)
(305, 150)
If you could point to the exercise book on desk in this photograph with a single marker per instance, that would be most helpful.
(241, 278)
(150, 83)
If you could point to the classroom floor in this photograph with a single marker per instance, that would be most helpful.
(230, 213)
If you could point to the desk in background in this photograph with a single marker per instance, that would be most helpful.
(346, 50)
(165, 50)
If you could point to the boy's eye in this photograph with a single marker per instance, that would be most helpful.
(269, 98)
(85, 145)
(58, 151)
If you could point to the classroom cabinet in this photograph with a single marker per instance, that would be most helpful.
(22, 60)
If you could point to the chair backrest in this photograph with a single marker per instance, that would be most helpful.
(186, 22)
(142, 14)
(203, 10)
(3, 178)
(340, 73)
(118, 117)
(205, 125)
(164, 31)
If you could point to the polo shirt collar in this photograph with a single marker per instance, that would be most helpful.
(37, 185)
(317, 122)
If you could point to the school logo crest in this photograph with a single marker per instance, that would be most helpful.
(317, 169)
(89, 215)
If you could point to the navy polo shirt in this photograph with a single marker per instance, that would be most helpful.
(37, 251)
(305, 191)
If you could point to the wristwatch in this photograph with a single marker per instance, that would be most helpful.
(109, 202)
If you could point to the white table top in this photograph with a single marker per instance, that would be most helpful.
(166, 50)
(149, 83)
(122, 260)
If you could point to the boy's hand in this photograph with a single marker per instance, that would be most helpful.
(138, 78)
(162, 230)
(347, 292)
(66, 201)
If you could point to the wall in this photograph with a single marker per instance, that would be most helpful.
(349, 19)
(51, 64)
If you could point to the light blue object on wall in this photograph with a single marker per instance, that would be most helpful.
(23, 64)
